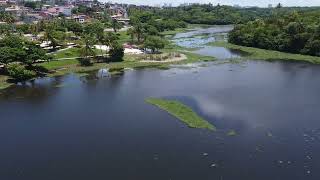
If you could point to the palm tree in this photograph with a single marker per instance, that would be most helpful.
(34, 29)
(115, 25)
(138, 30)
(109, 39)
(49, 36)
(131, 33)
(87, 50)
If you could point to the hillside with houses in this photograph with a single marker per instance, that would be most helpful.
(28, 12)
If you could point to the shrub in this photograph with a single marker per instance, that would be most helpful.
(19, 72)
(85, 62)
(116, 52)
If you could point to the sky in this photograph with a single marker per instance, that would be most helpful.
(261, 3)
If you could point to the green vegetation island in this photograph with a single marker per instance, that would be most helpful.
(182, 112)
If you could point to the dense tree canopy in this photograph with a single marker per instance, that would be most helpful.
(6, 17)
(154, 43)
(292, 32)
(214, 14)
(15, 49)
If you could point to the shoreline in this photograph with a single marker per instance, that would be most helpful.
(130, 61)
(71, 64)
(267, 55)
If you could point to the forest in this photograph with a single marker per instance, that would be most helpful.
(294, 32)
(217, 14)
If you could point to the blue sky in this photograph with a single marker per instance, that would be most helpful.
(262, 3)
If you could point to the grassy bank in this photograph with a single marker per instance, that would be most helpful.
(263, 54)
(182, 112)
(67, 53)
(3, 82)
(130, 61)
(66, 66)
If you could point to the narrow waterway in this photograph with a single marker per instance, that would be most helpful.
(82, 128)
(199, 37)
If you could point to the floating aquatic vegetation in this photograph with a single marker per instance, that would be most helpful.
(182, 112)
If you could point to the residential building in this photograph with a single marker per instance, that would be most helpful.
(80, 18)
(3, 2)
(16, 10)
(32, 18)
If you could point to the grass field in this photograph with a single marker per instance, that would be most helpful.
(182, 112)
(123, 37)
(68, 53)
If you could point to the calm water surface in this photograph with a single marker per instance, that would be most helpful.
(199, 37)
(86, 128)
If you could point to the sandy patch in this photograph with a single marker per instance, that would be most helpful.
(126, 50)
(175, 59)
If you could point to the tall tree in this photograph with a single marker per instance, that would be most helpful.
(155, 43)
(87, 50)
(116, 25)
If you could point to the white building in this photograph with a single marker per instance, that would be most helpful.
(80, 18)
(3, 2)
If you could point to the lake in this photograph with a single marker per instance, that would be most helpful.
(82, 128)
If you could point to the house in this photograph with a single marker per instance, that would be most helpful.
(3, 2)
(124, 21)
(117, 12)
(66, 10)
(80, 18)
(13, 1)
(87, 3)
(46, 15)
(50, 12)
(32, 18)
(53, 11)
(16, 11)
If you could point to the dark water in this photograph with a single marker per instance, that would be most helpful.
(85, 128)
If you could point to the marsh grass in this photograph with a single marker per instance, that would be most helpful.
(182, 112)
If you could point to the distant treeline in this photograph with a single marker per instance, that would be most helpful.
(216, 15)
(288, 29)
(294, 32)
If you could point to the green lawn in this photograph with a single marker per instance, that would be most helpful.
(263, 54)
(3, 82)
(124, 37)
(73, 53)
(182, 112)
(58, 64)
(68, 53)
